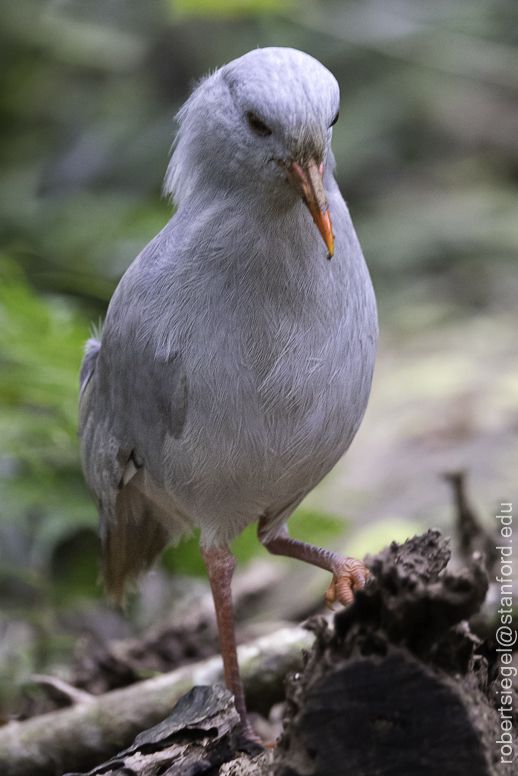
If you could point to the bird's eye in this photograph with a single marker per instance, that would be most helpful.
(258, 126)
(335, 119)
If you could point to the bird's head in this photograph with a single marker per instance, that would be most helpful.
(262, 123)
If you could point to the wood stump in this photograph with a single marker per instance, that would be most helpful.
(401, 687)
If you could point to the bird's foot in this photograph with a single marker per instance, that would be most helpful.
(248, 740)
(349, 576)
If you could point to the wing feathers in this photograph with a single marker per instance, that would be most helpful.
(130, 470)
(119, 417)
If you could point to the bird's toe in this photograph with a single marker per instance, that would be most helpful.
(248, 740)
(349, 577)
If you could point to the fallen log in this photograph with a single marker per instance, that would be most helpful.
(400, 687)
(84, 734)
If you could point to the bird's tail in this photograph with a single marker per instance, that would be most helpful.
(131, 542)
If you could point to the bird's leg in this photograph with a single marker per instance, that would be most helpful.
(220, 563)
(348, 574)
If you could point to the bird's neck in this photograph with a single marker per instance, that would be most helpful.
(265, 239)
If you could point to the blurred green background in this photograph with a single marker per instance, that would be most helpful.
(427, 158)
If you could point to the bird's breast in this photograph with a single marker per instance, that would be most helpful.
(272, 395)
(268, 417)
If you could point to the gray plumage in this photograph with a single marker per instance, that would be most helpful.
(235, 362)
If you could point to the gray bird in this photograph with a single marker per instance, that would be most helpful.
(236, 358)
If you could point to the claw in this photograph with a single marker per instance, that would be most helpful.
(330, 595)
(351, 576)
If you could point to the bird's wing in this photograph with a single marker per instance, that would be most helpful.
(117, 417)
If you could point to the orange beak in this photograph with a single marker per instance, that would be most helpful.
(307, 182)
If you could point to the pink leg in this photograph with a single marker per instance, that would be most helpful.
(220, 565)
(348, 574)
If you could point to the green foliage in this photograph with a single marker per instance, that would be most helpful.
(226, 8)
(41, 342)
(74, 568)
(316, 527)
(186, 558)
